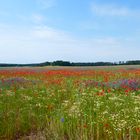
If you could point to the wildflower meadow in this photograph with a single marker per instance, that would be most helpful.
(69, 104)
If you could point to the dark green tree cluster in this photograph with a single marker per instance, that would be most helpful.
(67, 63)
(61, 63)
(136, 62)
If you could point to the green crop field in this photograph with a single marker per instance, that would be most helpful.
(70, 103)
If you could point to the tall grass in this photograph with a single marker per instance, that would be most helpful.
(58, 105)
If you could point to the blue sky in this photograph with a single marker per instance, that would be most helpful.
(73, 30)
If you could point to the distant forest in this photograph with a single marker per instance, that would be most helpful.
(67, 63)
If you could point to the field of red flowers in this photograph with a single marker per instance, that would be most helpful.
(69, 104)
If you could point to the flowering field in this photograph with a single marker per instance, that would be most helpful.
(69, 104)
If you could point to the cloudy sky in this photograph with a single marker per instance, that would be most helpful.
(73, 30)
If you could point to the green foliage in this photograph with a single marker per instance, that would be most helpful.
(67, 63)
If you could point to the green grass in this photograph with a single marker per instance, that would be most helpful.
(66, 110)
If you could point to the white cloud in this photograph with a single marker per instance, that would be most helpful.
(45, 4)
(38, 18)
(47, 33)
(113, 10)
(35, 18)
(42, 43)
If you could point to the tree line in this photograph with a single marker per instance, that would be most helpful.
(67, 63)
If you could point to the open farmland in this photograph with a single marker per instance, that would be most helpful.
(76, 103)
